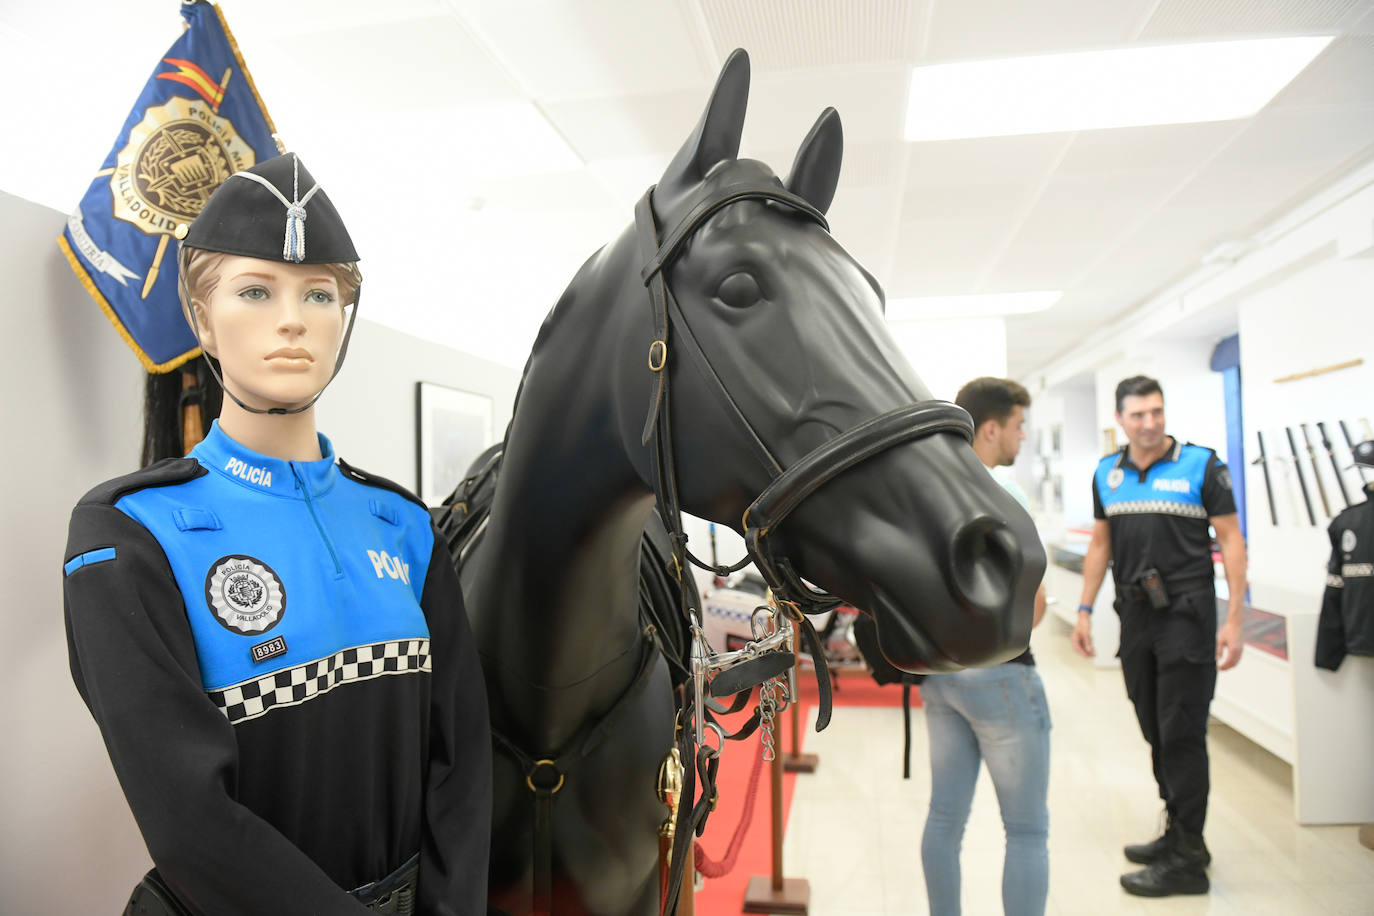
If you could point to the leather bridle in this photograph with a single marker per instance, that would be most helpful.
(789, 487)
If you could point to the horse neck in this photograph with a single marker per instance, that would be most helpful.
(554, 595)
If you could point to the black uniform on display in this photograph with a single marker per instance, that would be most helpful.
(277, 656)
(1346, 624)
(1158, 518)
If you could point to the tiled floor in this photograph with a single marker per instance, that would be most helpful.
(855, 827)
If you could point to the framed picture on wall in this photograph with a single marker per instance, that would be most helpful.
(452, 428)
(1108, 440)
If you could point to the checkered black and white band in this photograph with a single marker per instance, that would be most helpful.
(292, 686)
(1156, 507)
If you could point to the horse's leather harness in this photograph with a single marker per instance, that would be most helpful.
(780, 498)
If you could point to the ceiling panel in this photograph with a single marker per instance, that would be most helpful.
(972, 29)
(989, 161)
(629, 125)
(1308, 139)
(593, 48)
(796, 34)
(871, 101)
(1343, 74)
(1174, 19)
(1181, 147)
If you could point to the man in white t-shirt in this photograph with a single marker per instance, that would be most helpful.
(997, 714)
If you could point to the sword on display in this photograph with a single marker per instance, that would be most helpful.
(1316, 469)
(1263, 462)
(1302, 481)
(1350, 444)
(1335, 465)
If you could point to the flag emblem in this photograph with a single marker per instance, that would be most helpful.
(173, 161)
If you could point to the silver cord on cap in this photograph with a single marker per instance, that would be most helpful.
(293, 240)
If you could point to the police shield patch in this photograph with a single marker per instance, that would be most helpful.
(245, 594)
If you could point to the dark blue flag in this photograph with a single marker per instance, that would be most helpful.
(198, 121)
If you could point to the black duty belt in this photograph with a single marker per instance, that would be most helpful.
(394, 895)
(1184, 586)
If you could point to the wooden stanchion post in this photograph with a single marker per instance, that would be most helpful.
(795, 761)
(777, 894)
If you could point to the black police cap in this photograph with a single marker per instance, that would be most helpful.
(265, 212)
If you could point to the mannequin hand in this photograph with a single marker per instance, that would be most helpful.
(1228, 646)
(1082, 636)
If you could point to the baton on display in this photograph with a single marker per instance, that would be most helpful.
(1335, 465)
(1263, 462)
(1350, 444)
(1302, 481)
(1316, 470)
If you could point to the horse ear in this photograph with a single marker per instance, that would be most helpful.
(717, 134)
(816, 170)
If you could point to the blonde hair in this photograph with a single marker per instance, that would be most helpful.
(199, 270)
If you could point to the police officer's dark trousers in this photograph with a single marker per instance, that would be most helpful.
(1168, 658)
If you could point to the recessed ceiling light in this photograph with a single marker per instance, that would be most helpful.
(975, 306)
(1090, 90)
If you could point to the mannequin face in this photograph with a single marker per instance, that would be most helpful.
(274, 327)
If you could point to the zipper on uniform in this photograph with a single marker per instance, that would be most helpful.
(310, 505)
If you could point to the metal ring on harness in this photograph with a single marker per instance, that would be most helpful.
(529, 777)
(658, 355)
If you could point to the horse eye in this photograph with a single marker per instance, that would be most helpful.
(739, 290)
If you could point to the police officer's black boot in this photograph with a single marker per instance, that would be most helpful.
(1148, 853)
(1180, 869)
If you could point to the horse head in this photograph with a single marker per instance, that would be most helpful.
(776, 348)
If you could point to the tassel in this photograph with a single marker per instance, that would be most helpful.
(293, 244)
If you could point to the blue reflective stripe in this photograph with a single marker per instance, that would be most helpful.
(87, 558)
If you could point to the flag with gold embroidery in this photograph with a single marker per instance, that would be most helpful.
(198, 121)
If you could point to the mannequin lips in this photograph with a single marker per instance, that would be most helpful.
(294, 356)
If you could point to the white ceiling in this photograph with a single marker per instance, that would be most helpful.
(372, 94)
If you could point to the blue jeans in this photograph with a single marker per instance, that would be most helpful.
(996, 714)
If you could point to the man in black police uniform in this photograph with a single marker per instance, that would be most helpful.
(1153, 502)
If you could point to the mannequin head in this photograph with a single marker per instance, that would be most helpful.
(268, 309)
(274, 328)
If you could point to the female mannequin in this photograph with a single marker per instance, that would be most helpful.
(274, 645)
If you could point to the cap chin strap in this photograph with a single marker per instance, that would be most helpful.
(338, 360)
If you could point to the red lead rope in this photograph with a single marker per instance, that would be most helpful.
(718, 869)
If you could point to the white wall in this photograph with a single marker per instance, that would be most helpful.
(71, 415)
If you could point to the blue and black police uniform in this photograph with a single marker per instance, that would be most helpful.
(1158, 518)
(277, 656)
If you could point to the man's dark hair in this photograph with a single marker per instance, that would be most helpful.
(989, 398)
(1138, 386)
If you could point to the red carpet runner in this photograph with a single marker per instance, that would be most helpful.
(725, 896)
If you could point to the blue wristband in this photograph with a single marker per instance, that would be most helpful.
(1086, 607)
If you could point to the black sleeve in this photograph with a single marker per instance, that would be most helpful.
(457, 838)
(1098, 511)
(1330, 626)
(1217, 498)
(133, 659)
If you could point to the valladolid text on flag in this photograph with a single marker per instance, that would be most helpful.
(198, 120)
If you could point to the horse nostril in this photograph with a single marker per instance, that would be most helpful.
(986, 561)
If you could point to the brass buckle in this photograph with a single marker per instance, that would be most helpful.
(658, 355)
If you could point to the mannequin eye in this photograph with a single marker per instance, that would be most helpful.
(739, 290)
(320, 297)
(253, 293)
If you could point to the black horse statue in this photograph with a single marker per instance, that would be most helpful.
(778, 357)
